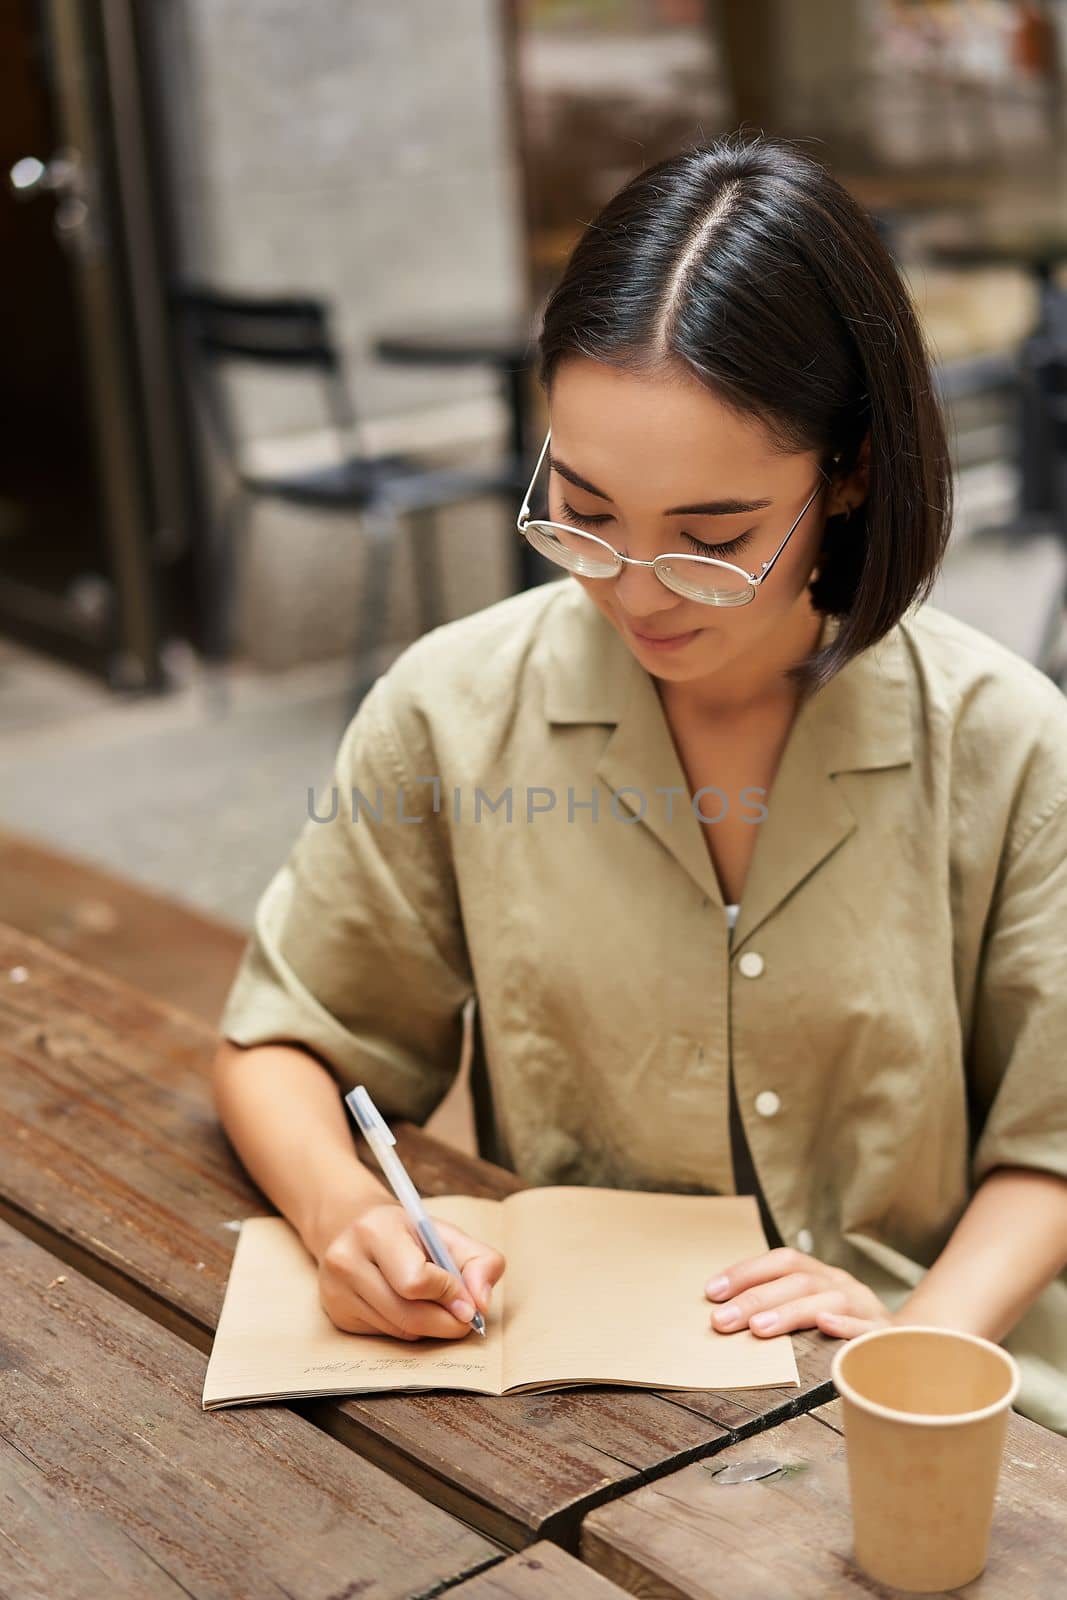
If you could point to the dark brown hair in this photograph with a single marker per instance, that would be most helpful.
(747, 262)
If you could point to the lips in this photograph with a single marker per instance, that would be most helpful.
(663, 638)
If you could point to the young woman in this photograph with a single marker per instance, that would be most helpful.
(758, 869)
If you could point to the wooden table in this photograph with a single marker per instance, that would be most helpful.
(788, 1536)
(120, 1194)
(111, 1484)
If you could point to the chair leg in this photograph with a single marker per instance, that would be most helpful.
(380, 530)
(426, 551)
(221, 597)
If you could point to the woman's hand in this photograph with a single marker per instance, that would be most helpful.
(374, 1277)
(783, 1290)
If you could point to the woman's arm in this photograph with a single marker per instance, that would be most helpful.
(1009, 1244)
(282, 1112)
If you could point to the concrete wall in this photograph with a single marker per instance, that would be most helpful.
(361, 151)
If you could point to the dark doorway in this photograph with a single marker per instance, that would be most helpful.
(91, 527)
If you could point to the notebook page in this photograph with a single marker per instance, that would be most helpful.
(275, 1341)
(607, 1286)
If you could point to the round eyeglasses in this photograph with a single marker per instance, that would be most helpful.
(703, 578)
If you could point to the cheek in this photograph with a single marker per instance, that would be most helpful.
(786, 584)
(803, 560)
(597, 590)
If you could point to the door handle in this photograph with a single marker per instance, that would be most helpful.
(61, 175)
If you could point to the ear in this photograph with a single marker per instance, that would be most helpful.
(851, 491)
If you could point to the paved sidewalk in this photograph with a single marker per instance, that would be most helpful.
(168, 791)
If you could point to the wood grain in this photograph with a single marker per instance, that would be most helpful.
(114, 1482)
(158, 944)
(789, 1536)
(111, 1156)
(541, 1572)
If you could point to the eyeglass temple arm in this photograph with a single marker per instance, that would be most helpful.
(767, 569)
(524, 510)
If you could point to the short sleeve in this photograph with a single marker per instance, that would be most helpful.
(1018, 1065)
(357, 948)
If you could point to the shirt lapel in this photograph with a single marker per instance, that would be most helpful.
(859, 721)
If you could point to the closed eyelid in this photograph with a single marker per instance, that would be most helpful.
(728, 507)
(731, 546)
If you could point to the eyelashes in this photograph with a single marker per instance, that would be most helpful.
(699, 547)
(732, 549)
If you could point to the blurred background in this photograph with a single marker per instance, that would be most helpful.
(271, 281)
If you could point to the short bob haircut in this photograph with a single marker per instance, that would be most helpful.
(745, 261)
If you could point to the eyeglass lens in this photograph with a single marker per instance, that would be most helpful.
(695, 579)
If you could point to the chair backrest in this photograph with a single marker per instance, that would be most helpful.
(285, 331)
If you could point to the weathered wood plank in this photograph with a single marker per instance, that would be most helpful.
(111, 1155)
(114, 1481)
(688, 1537)
(541, 1572)
(159, 945)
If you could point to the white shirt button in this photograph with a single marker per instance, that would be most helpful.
(767, 1103)
(805, 1241)
(750, 965)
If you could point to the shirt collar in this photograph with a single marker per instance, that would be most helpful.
(860, 720)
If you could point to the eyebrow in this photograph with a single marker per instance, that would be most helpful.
(707, 508)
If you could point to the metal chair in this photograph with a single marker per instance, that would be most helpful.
(1030, 548)
(293, 333)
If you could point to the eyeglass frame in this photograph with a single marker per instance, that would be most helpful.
(753, 579)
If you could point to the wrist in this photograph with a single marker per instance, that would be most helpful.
(926, 1310)
(337, 1202)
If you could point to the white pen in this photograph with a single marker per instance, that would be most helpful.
(376, 1132)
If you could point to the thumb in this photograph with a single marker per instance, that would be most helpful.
(480, 1273)
(425, 1280)
(452, 1292)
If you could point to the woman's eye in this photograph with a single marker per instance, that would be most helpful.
(584, 521)
(733, 548)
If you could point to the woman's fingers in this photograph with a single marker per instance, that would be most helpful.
(408, 1283)
(351, 1313)
(758, 1269)
(797, 1313)
(795, 1286)
(376, 1277)
(839, 1325)
(480, 1264)
(416, 1316)
(379, 1261)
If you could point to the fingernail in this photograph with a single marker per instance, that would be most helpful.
(764, 1321)
(461, 1309)
(716, 1287)
(728, 1317)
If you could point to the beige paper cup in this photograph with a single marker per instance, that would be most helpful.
(925, 1414)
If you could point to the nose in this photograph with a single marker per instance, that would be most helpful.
(641, 595)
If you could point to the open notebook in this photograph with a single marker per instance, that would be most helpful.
(601, 1286)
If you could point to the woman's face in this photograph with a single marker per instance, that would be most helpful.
(649, 444)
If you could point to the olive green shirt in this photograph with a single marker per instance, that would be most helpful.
(512, 821)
